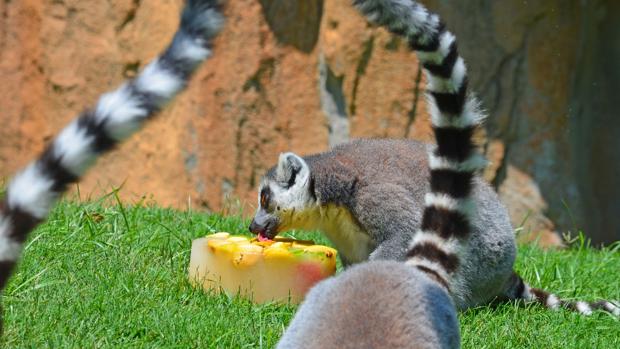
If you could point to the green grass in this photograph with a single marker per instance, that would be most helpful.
(113, 276)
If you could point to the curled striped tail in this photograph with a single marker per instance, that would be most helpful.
(455, 117)
(32, 192)
(521, 290)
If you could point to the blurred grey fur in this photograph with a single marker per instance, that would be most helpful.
(375, 305)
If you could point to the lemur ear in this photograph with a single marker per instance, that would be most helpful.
(291, 169)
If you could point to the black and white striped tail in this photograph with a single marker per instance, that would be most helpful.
(521, 290)
(455, 160)
(455, 117)
(32, 192)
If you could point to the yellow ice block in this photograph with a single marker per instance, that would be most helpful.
(280, 270)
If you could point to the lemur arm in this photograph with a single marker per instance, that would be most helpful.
(390, 213)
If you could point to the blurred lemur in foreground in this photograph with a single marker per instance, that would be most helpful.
(403, 200)
(376, 304)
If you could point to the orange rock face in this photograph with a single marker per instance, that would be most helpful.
(301, 76)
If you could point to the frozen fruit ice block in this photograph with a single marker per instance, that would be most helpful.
(275, 270)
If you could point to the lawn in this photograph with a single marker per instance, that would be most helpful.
(113, 276)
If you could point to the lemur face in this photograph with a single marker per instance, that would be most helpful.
(284, 193)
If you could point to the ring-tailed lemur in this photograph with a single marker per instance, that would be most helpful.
(32, 192)
(369, 196)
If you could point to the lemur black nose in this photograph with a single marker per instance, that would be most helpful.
(255, 228)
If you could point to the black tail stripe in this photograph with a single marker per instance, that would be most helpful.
(102, 142)
(600, 305)
(6, 268)
(520, 286)
(434, 275)
(444, 69)
(22, 222)
(446, 223)
(148, 101)
(180, 67)
(541, 295)
(569, 305)
(51, 165)
(454, 183)
(451, 103)
(454, 143)
(432, 252)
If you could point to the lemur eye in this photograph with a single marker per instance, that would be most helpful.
(278, 208)
(264, 197)
(263, 200)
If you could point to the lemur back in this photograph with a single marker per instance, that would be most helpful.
(405, 201)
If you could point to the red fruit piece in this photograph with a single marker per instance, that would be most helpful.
(309, 273)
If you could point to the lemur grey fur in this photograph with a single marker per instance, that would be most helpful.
(370, 196)
(118, 114)
(375, 304)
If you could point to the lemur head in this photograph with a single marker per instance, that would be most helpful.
(284, 195)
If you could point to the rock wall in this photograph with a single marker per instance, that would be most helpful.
(547, 72)
(304, 75)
